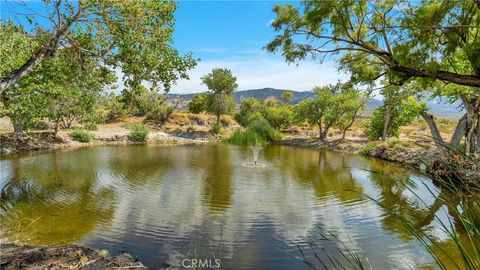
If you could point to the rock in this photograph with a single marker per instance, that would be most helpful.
(62, 257)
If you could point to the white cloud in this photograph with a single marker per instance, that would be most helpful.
(264, 72)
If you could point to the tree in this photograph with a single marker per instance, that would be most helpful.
(383, 126)
(326, 109)
(287, 97)
(62, 88)
(393, 38)
(278, 116)
(250, 109)
(354, 104)
(135, 36)
(222, 85)
(198, 103)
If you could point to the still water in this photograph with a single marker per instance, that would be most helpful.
(165, 204)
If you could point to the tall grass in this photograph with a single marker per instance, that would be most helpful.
(463, 204)
(257, 131)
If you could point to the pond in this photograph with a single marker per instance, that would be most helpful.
(166, 204)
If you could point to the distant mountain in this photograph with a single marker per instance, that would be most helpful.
(438, 106)
(255, 93)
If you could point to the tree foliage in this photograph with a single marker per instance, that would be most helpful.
(221, 84)
(331, 104)
(397, 39)
(198, 104)
(62, 88)
(135, 36)
(278, 115)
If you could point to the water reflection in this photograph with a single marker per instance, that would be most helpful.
(166, 203)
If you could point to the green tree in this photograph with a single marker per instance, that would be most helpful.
(326, 109)
(135, 36)
(383, 126)
(279, 116)
(249, 109)
(287, 97)
(392, 38)
(198, 103)
(354, 103)
(222, 85)
(63, 88)
(433, 42)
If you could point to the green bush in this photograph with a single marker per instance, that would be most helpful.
(139, 133)
(365, 150)
(160, 113)
(258, 131)
(81, 135)
(90, 126)
(216, 129)
(264, 130)
(198, 103)
(245, 137)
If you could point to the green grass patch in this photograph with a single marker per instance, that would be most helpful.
(258, 131)
(216, 129)
(139, 133)
(365, 150)
(81, 135)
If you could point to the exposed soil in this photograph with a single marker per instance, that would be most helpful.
(63, 257)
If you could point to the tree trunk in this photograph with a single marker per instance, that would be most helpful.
(57, 126)
(344, 132)
(354, 117)
(437, 138)
(386, 122)
(323, 135)
(218, 118)
(460, 131)
(478, 136)
(17, 125)
(472, 106)
(320, 134)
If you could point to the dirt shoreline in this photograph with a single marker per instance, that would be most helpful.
(410, 157)
(12, 143)
(63, 257)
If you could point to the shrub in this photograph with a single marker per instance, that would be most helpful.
(264, 130)
(191, 129)
(90, 126)
(139, 133)
(111, 109)
(216, 128)
(246, 137)
(198, 104)
(160, 113)
(278, 116)
(258, 131)
(365, 150)
(81, 135)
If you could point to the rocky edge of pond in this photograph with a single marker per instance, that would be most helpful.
(25, 142)
(411, 157)
(63, 257)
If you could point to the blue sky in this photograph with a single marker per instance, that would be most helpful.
(231, 34)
